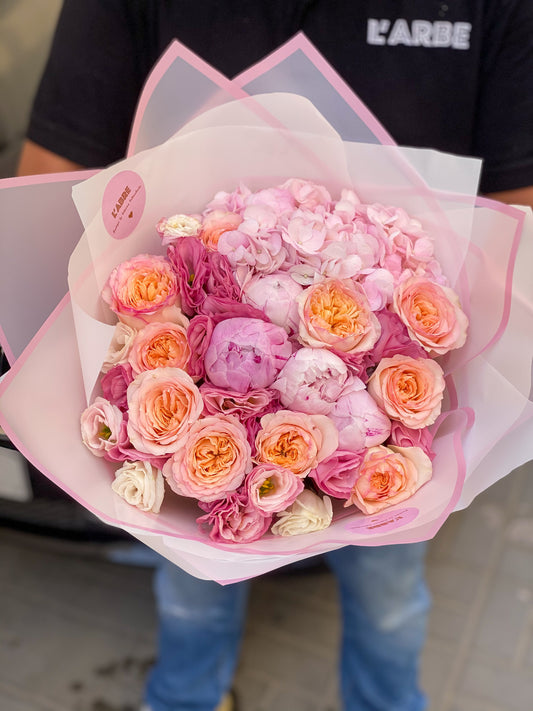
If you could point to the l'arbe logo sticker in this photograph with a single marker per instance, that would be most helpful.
(123, 203)
(383, 522)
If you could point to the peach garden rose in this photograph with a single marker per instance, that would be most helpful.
(408, 389)
(432, 315)
(160, 345)
(388, 476)
(213, 458)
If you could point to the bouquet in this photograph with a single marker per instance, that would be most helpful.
(283, 352)
(419, 225)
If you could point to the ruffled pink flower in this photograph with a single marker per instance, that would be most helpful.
(272, 488)
(336, 475)
(199, 336)
(245, 354)
(402, 436)
(221, 309)
(213, 458)
(230, 402)
(189, 262)
(306, 231)
(115, 385)
(102, 427)
(394, 339)
(221, 281)
(280, 200)
(234, 520)
(275, 295)
(311, 381)
(358, 419)
(307, 194)
(170, 229)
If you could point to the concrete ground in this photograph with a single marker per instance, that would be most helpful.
(77, 631)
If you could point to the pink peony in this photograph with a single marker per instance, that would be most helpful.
(246, 354)
(358, 419)
(311, 381)
(212, 460)
(272, 488)
(336, 475)
(408, 389)
(234, 520)
(275, 295)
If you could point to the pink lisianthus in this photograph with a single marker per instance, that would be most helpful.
(388, 476)
(408, 389)
(275, 295)
(213, 458)
(162, 405)
(189, 261)
(336, 314)
(359, 420)
(234, 520)
(243, 405)
(402, 436)
(394, 340)
(199, 336)
(221, 281)
(141, 287)
(246, 353)
(221, 309)
(307, 194)
(160, 345)
(336, 475)
(432, 314)
(115, 385)
(311, 381)
(295, 440)
(272, 488)
(215, 223)
(102, 427)
(170, 229)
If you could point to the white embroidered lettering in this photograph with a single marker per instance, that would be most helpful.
(374, 31)
(442, 34)
(461, 35)
(421, 31)
(400, 34)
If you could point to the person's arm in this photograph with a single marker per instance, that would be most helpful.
(519, 196)
(36, 160)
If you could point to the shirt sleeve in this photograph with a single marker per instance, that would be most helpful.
(504, 132)
(88, 92)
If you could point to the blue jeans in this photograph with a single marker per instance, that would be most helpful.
(384, 603)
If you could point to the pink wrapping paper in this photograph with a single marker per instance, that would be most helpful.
(317, 130)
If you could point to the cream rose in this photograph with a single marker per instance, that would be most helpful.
(119, 348)
(307, 514)
(388, 476)
(141, 485)
(408, 389)
(432, 314)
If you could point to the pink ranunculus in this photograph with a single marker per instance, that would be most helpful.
(215, 223)
(245, 354)
(115, 385)
(160, 345)
(336, 314)
(336, 475)
(307, 514)
(432, 314)
(275, 295)
(162, 405)
(272, 488)
(311, 381)
(199, 336)
(189, 261)
(141, 287)
(213, 458)
(402, 436)
(358, 419)
(408, 389)
(102, 427)
(295, 440)
(307, 194)
(234, 520)
(388, 476)
(170, 229)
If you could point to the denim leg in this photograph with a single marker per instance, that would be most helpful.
(200, 630)
(385, 603)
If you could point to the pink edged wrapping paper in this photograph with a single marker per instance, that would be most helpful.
(260, 129)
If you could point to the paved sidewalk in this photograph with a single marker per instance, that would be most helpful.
(77, 632)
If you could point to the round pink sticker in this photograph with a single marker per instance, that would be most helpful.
(382, 522)
(123, 203)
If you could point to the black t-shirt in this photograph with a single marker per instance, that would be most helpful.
(456, 75)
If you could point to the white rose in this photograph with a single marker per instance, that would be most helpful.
(172, 228)
(120, 346)
(141, 485)
(307, 514)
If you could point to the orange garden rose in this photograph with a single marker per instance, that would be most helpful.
(295, 440)
(336, 314)
(162, 404)
(408, 389)
(160, 345)
(432, 314)
(212, 460)
(388, 476)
